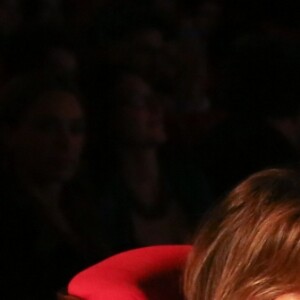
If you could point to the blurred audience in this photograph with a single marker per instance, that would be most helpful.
(184, 99)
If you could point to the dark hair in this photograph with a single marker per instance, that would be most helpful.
(23, 91)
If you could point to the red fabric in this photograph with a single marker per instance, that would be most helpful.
(146, 273)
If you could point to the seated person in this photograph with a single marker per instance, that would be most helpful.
(154, 196)
(45, 211)
(250, 248)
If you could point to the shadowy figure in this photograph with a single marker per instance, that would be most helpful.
(45, 207)
(153, 196)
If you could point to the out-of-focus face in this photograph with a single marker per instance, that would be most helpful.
(48, 142)
(139, 114)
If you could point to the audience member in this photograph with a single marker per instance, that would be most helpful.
(154, 197)
(45, 210)
(249, 249)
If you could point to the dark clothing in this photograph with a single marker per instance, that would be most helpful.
(37, 258)
(181, 182)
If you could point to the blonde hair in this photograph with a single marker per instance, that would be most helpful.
(250, 246)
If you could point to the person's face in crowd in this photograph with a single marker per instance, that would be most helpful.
(48, 142)
(139, 113)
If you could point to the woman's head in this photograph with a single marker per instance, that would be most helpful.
(139, 119)
(42, 123)
(250, 248)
